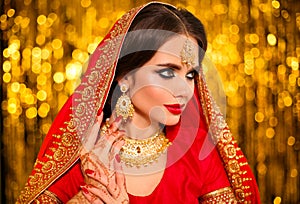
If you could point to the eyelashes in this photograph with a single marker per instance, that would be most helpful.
(166, 73)
(191, 75)
(169, 73)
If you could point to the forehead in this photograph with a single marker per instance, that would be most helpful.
(180, 46)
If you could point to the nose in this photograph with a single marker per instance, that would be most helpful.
(181, 88)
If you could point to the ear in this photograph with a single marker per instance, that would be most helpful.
(125, 80)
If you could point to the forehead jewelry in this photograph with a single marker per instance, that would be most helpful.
(187, 53)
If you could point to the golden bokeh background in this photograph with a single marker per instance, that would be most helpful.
(255, 45)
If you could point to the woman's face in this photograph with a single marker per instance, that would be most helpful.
(162, 87)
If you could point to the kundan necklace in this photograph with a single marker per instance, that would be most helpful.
(143, 152)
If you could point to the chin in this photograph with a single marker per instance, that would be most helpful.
(165, 118)
(173, 120)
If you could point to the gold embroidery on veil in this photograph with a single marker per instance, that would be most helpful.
(56, 164)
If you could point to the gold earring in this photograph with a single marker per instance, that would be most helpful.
(124, 106)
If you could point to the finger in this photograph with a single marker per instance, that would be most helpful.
(98, 175)
(105, 143)
(112, 186)
(115, 149)
(92, 135)
(91, 197)
(111, 129)
(102, 146)
(120, 177)
(106, 174)
(101, 192)
(116, 124)
(115, 137)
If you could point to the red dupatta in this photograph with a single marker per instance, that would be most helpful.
(60, 149)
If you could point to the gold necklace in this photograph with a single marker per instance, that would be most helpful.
(137, 152)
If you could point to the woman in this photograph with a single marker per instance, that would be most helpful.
(165, 140)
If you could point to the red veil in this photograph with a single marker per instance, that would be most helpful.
(60, 150)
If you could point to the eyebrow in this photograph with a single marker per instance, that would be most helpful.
(177, 67)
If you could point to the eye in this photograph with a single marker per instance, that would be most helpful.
(167, 73)
(191, 75)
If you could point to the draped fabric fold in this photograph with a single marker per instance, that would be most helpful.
(60, 150)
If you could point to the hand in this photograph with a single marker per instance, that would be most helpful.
(105, 182)
(110, 189)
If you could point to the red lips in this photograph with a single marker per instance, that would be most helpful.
(175, 109)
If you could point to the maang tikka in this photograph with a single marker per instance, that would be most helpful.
(187, 53)
(124, 106)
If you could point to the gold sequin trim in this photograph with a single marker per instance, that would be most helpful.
(47, 197)
(220, 196)
(66, 141)
(231, 155)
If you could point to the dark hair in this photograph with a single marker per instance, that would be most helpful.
(151, 21)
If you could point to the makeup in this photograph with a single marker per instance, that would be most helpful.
(175, 109)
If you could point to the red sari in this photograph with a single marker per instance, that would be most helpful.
(204, 166)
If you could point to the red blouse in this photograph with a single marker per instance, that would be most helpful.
(188, 178)
(184, 180)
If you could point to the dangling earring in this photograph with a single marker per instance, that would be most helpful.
(124, 106)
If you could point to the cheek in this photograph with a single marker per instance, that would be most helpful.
(152, 96)
(191, 90)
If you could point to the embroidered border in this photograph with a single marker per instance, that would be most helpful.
(47, 197)
(231, 154)
(66, 144)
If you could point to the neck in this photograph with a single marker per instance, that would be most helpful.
(140, 128)
(135, 132)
